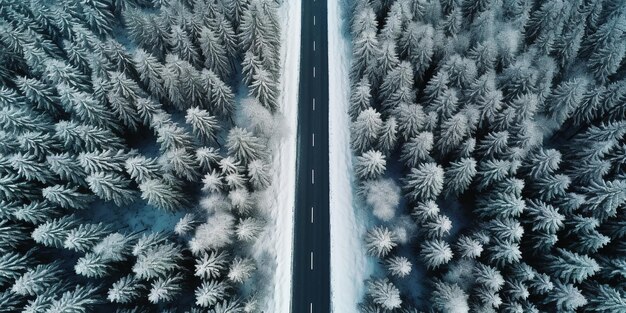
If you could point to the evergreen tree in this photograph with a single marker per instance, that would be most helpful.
(85, 236)
(449, 298)
(384, 293)
(572, 267)
(399, 266)
(37, 279)
(379, 241)
(163, 195)
(241, 269)
(435, 253)
(204, 125)
(125, 290)
(111, 187)
(424, 182)
(211, 292)
(211, 265)
(244, 146)
(459, 176)
(417, 149)
(54, 232)
(370, 165)
(165, 289)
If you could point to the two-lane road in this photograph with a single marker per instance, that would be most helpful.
(311, 251)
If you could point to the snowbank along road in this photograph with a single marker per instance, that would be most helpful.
(311, 253)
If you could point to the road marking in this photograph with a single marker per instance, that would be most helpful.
(312, 177)
(311, 215)
(311, 260)
(313, 45)
(313, 71)
(313, 19)
(311, 307)
(313, 143)
(313, 104)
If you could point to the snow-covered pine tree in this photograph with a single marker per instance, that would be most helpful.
(379, 241)
(384, 293)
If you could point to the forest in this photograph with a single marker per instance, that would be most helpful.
(135, 147)
(489, 139)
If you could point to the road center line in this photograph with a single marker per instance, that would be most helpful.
(313, 104)
(311, 307)
(311, 215)
(312, 177)
(313, 143)
(313, 71)
(313, 45)
(313, 19)
(311, 260)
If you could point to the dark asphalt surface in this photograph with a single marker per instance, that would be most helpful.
(311, 253)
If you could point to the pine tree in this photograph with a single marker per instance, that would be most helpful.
(157, 261)
(417, 149)
(85, 236)
(361, 98)
(204, 125)
(142, 169)
(379, 241)
(435, 253)
(93, 265)
(604, 298)
(370, 165)
(214, 52)
(244, 146)
(162, 194)
(211, 292)
(164, 289)
(571, 267)
(54, 232)
(186, 224)
(181, 162)
(80, 300)
(103, 161)
(241, 269)
(37, 279)
(489, 277)
(248, 229)
(424, 182)
(384, 293)
(468, 247)
(125, 290)
(449, 298)
(458, 176)
(388, 137)
(399, 266)
(66, 196)
(566, 297)
(410, 118)
(29, 167)
(211, 265)
(111, 187)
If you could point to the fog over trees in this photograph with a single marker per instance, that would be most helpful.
(503, 124)
(131, 156)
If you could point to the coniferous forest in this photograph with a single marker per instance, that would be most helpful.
(490, 149)
(133, 153)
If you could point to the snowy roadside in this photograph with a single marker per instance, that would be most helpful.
(276, 243)
(348, 266)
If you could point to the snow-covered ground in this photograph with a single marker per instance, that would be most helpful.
(276, 244)
(348, 265)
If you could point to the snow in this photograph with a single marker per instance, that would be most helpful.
(349, 265)
(273, 249)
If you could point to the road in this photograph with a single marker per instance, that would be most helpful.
(311, 253)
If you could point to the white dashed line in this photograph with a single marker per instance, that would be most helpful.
(313, 19)
(311, 215)
(313, 45)
(312, 177)
(313, 143)
(313, 71)
(313, 104)
(311, 260)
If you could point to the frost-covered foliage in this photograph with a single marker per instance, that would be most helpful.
(113, 114)
(500, 128)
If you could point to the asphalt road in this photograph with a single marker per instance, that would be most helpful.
(311, 253)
